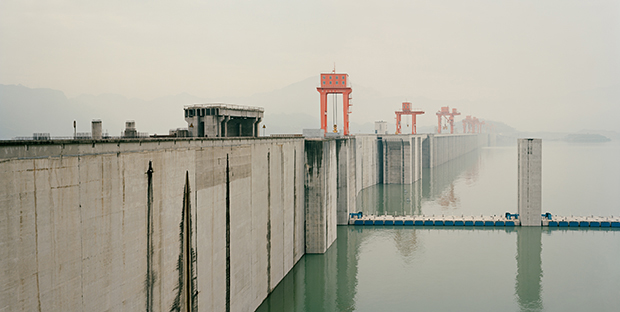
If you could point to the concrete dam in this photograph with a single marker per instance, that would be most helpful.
(196, 224)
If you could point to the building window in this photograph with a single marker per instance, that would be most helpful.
(186, 113)
(330, 82)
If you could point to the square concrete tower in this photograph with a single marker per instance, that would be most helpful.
(530, 182)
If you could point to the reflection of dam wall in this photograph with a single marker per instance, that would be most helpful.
(326, 282)
(392, 199)
(358, 162)
(529, 268)
(437, 179)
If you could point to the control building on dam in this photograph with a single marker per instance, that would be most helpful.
(185, 224)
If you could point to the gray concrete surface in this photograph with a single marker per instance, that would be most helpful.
(223, 120)
(445, 147)
(160, 224)
(320, 194)
(530, 181)
(84, 228)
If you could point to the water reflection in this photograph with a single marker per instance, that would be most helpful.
(529, 268)
(329, 282)
(393, 199)
(326, 282)
(437, 184)
(458, 268)
(406, 243)
(435, 181)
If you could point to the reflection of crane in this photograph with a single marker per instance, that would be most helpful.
(407, 111)
(448, 198)
(407, 244)
(449, 116)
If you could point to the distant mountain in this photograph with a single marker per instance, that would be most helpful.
(585, 138)
(609, 134)
(24, 111)
(291, 109)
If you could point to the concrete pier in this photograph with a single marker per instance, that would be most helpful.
(530, 181)
(320, 194)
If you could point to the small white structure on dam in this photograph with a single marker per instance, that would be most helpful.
(530, 181)
(223, 120)
(381, 127)
(96, 129)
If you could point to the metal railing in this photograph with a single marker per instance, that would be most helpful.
(78, 136)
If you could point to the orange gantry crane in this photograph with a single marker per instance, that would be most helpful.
(472, 125)
(448, 115)
(407, 111)
(335, 83)
(468, 124)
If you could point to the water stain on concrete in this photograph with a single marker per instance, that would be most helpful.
(187, 294)
(149, 281)
(227, 233)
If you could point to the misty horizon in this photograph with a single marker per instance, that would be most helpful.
(552, 66)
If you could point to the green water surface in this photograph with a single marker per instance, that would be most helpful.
(396, 268)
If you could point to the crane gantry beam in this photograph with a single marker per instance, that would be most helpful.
(449, 115)
(407, 111)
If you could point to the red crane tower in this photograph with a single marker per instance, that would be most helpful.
(473, 125)
(407, 111)
(334, 83)
(468, 125)
(449, 116)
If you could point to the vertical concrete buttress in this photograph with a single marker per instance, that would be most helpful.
(530, 181)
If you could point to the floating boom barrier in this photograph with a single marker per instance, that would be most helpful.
(507, 220)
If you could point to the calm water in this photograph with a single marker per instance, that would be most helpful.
(451, 269)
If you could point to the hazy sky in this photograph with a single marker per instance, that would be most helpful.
(485, 50)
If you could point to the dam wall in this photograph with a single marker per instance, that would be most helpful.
(163, 224)
(441, 148)
(337, 169)
(320, 194)
(402, 158)
(149, 225)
